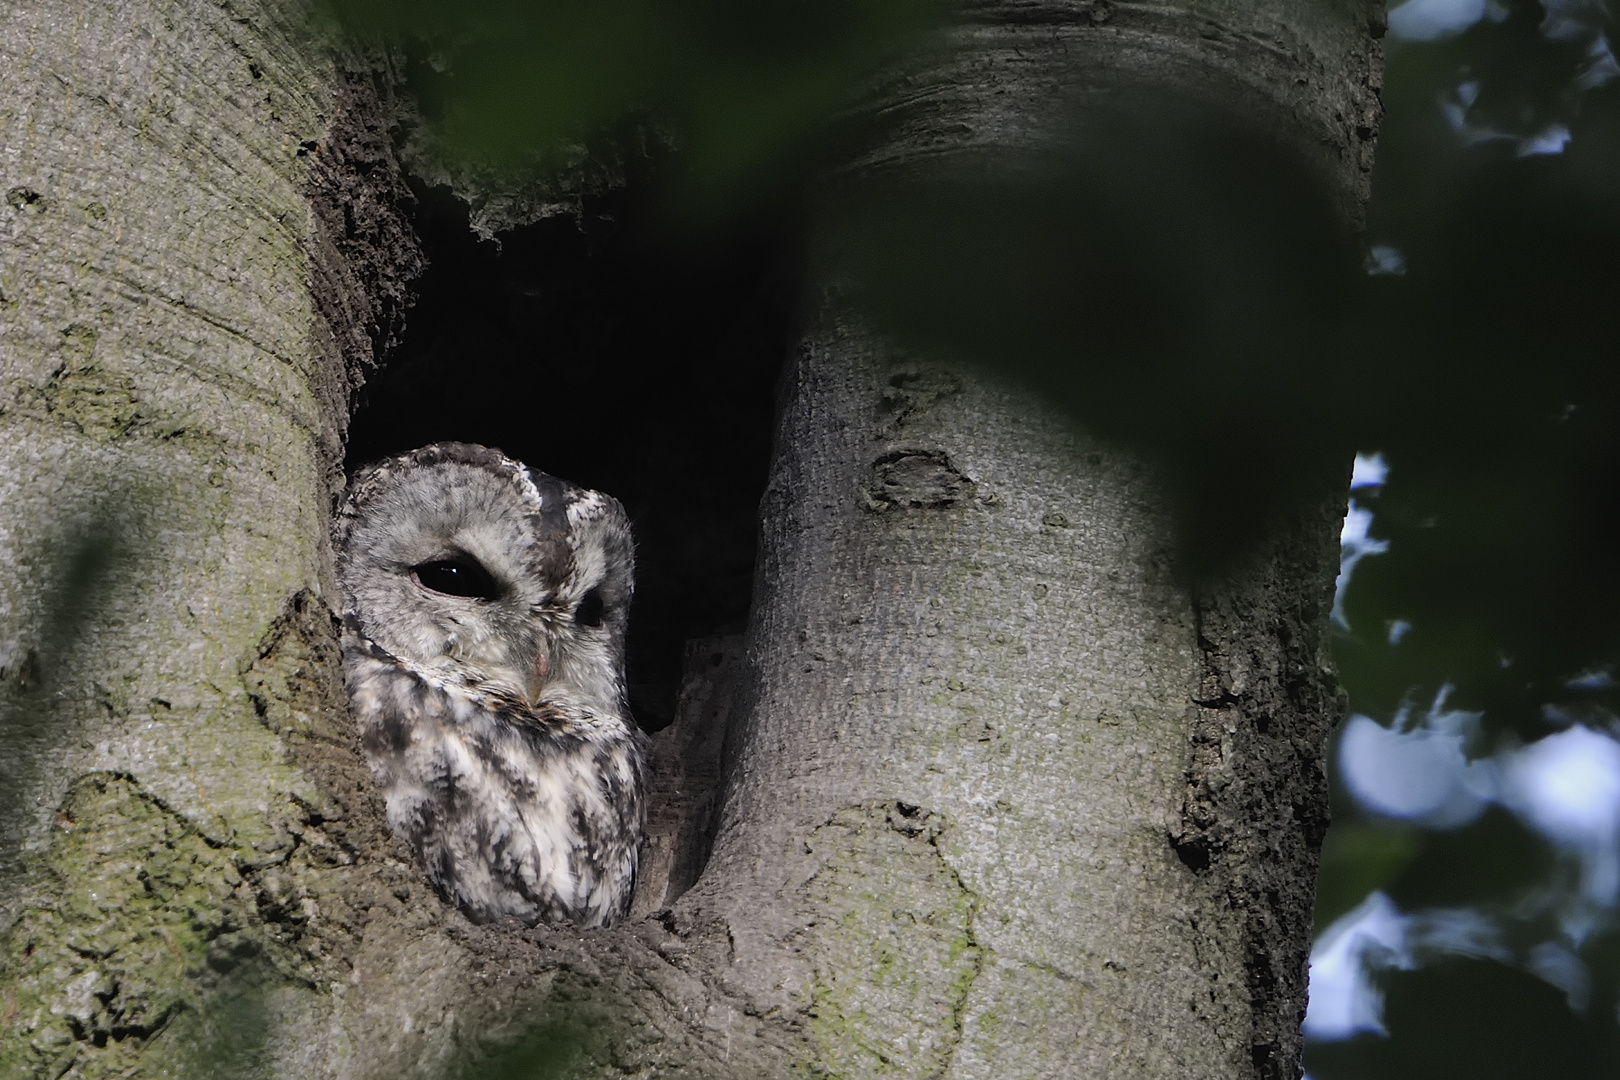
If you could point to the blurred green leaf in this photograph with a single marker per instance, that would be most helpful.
(745, 88)
(1358, 858)
(1491, 864)
(1473, 1019)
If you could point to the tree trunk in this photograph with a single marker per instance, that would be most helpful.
(1002, 797)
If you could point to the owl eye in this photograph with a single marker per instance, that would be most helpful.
(456, 577)
(589, 611)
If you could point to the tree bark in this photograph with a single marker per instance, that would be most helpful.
(204, 243)
(1002, 796)
(1009, 800)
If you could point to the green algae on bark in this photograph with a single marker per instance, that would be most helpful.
(145, 931)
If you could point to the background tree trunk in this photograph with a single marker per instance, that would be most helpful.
(1003, 798)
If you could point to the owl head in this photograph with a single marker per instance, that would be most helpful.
(481, 572)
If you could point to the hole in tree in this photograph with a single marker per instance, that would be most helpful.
(609, 352)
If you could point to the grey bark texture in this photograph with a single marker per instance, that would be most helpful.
(1001, 797)
(683, 776)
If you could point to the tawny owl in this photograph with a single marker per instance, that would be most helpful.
(483, 648)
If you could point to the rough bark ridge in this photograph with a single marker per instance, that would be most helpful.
(367, 255)
(1267, 702)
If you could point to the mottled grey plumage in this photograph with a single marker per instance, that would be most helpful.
(483, 648)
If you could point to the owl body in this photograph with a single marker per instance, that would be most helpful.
(483, 651)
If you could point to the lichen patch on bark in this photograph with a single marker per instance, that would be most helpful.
(892, 949)
(144, 928)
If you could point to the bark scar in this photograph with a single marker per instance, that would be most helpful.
(914, 479)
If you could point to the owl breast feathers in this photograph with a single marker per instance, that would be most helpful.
(483, 650)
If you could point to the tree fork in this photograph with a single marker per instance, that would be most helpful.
(988, 735)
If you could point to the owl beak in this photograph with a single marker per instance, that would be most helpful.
(537, 676)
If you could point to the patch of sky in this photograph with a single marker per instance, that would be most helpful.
(1377, 936)
(1600, 66)
(1384, 260)
(1432, 20)
(1369, 470)
(1592, 680)
(1566, 786)
(1355, 543)
(1554, 962)
(1550, 140)
(1343, 999)
(1572, 20)
(1566, 22)
(1418, 769)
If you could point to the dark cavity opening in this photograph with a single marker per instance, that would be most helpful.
(621, 355)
